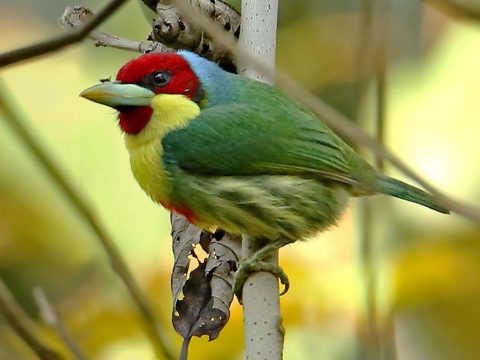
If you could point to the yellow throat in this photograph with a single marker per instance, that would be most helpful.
(170, 112)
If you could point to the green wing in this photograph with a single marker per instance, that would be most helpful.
(242, 140)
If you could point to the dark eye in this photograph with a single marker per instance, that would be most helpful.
(161, 78)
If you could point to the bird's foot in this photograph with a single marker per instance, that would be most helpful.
(257, 263)
(247, 268)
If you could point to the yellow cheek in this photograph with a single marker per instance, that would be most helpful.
(170, 112)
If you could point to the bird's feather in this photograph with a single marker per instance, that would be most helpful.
(241, 140)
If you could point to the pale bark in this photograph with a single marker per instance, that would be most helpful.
(261, 304)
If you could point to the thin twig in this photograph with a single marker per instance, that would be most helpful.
(456, 9)
(368, 340)
(103, 39)
(381, 38)
(51, 317)
(381, 83)
(60, 179)
(78, 16)
(56, 43)
(24, 326)
(152, 4)
(332, 117)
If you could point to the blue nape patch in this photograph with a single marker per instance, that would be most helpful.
(215, 82)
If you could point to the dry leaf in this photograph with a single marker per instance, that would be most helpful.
(201, 301)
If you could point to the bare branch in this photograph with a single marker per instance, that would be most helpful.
(78, 16)
(72, 195)
(456, 9)
(25, 328)
(152, 4)
(50, 316)
(332, 117)
(264, 334)
(371, 59)
(56, 43)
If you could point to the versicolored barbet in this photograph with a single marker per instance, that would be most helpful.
(232, 153)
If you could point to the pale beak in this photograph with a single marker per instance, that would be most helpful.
(116, 94)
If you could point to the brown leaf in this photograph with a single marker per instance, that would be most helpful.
(201, 300)
(224, 254)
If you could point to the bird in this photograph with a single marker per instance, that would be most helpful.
(235, 154)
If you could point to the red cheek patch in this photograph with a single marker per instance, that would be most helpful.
(134, 119)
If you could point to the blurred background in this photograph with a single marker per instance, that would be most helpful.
(410, 291)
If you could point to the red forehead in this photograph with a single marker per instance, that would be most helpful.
(136, 69)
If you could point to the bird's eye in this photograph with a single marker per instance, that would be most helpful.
(161, 78)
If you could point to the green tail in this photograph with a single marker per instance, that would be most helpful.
(401, 190)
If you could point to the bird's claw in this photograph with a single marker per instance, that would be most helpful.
(247, 267)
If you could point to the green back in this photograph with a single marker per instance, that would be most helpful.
(261, 131)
